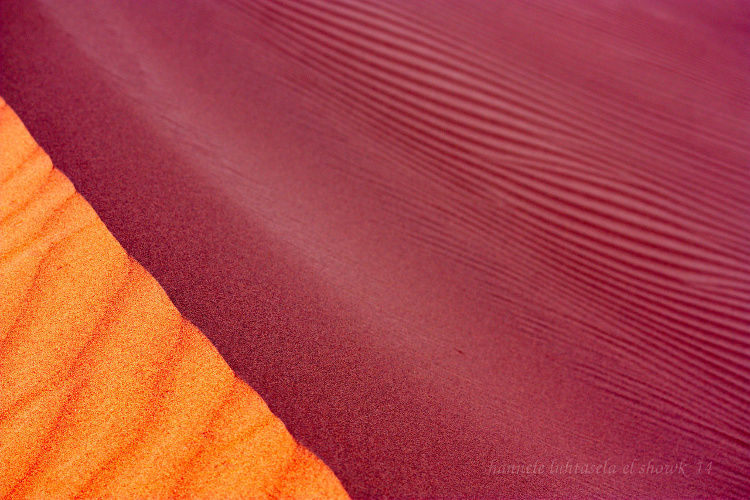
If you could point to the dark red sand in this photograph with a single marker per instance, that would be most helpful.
(440, 239)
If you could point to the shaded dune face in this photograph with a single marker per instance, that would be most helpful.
(436, 238)
(105, 390)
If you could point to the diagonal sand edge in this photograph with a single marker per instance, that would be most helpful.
(105, 390)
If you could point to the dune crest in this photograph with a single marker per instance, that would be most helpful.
(106, 391)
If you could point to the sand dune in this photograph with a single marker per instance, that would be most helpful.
(438, 238)
(106, 392)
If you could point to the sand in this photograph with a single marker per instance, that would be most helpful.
(105, 390)
(440, 239)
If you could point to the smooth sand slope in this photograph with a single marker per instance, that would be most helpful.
(105, 390)
(437, 237)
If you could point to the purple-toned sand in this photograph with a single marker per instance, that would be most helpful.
(461, 249)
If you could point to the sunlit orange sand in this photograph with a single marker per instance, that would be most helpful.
(106, 390)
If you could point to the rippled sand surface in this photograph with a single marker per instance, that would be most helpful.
(107, 392)
(461, 249)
